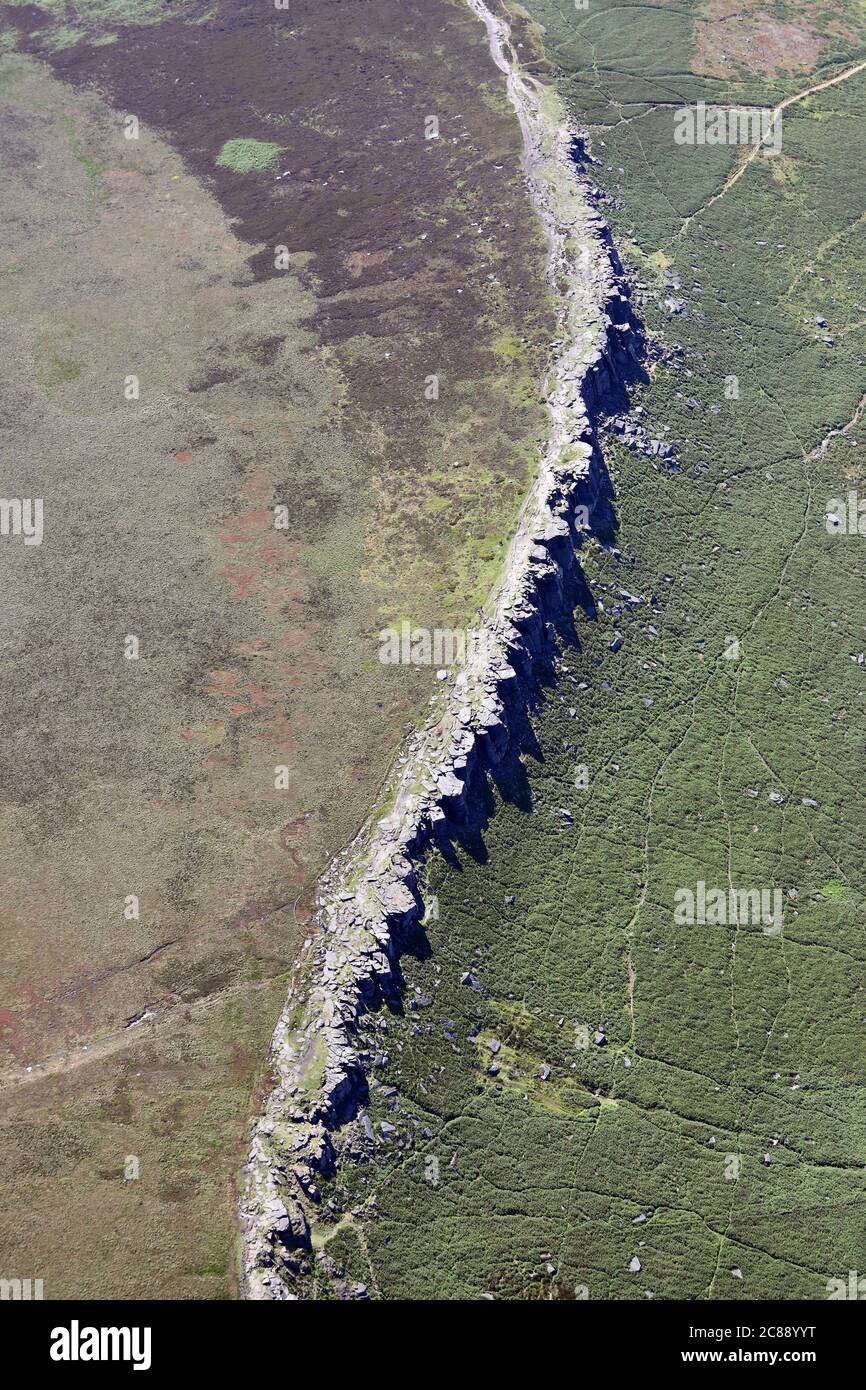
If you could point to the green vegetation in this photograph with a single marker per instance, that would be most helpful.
(83, 18)
(93, 168)
(57, 371)
(247, 156)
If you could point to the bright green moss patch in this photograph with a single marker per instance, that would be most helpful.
(244, 156)
(833, 889)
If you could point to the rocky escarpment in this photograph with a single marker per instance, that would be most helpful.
(371, 899)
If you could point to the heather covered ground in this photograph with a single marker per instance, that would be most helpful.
(283, 261)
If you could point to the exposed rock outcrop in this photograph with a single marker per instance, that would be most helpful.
(371, 898)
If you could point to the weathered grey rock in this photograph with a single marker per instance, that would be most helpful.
(373, 891)
(396, 899)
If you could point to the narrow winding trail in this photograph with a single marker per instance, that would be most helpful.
(756, 149)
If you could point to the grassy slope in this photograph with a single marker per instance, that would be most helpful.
(734, 1043)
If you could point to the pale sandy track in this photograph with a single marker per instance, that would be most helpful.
(756, 149)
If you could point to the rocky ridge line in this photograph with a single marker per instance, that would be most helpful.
(372, 893)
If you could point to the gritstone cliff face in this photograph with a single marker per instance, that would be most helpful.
(371, 898)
